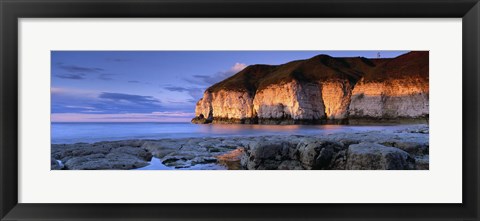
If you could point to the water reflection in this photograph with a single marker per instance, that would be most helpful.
(255, 129)
(94, 132)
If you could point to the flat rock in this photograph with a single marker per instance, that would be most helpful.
(371, 156)
(422, 162)
(266, 154)
(290, 165)
(232, 159)
(127, 154)
(368, 150)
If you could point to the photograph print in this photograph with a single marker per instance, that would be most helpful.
(240, 110)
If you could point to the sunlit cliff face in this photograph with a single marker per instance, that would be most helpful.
(225, 104)
(204, 106)
(290, 100)
(330, 100)
(336, 98)
(232, 104)
(396, 94)
(396, 98)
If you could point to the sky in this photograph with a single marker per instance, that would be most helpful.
(152, 86)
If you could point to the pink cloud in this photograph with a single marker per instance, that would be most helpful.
(73, 92)
(130, 117)
(237, 67)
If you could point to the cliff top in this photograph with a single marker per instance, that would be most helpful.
(412, 64)
(324, 68)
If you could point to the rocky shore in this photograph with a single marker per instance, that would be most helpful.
(401, 149)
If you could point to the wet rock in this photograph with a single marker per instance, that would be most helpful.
(298, 153)
(412, 147)
(175, 161)
(201, 120)
(232, 159)
(391, 149)
(339, 160)
(316, 154)
(422, 162)
(324, 158)
(266, 154)
(125, 154)
(55, 165)
(204, 160)
(188, 153)
(120, 143)
(371, 156)
(290, 165)
(422, 129)
(162, 148)
(138, 152)
(119, 161)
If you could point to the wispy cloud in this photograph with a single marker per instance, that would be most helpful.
(73, 93)
(80, 107)
(182, 101)
(132, 98)
(217, 77)
(106, 77)
(176, 88)
(65, 100)
(173, 114)
(75, 72)
(194, 92)
(71, 76)
(134, 82)
(79, 69)
(118, 59)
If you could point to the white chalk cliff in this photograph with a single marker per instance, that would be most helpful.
(320, 90)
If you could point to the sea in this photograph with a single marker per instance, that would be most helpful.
(67, 133)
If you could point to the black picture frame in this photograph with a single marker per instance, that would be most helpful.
(12, 10)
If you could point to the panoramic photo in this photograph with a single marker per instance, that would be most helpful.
(239, 110)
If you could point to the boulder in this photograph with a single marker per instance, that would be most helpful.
(339, 160)
(290, 165)
(232, 159)
(316, 154)
(413, 147)
(422, 162)
(371, 156)
(138, 152)
(111, 161)
(162, 148)
(102, 155)
(266, 154)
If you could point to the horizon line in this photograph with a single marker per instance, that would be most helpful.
(120, 122)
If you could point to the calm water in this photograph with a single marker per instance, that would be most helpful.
(94, 132)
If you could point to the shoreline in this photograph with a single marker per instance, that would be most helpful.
(405, 148)
(232, 130)
(349, 121)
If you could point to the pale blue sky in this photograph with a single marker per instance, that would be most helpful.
(152, 85)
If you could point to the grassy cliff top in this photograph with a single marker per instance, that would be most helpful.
(412, 64)
(324, 68)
